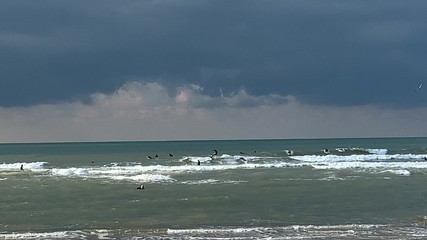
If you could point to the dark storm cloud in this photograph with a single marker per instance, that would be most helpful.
(323, 52)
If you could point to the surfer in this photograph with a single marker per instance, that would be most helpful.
(198, 162)
(215, 153)
(170, 155)
(22, 167)
(149, 157)
(326, 151)
(289, 152)
(141, 187)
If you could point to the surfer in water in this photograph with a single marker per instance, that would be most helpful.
(141, 187)
(215, 153)
(22, 167)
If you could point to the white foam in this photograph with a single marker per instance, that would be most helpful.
(371, 165)
(330, 227)
(201, 168)
(287, 232)
(212, 230)
(211, 181)
(399, 164)
(195, 159)
(143, 178)
(121, 173)
(17, 166)
(377, 151)
(224, 158)
(50, 235)
(398, 172)
(341, 150)
(358, 157)
(71, 172)
(154, 173)
(162, 173)
(204, 181)
(93, 234)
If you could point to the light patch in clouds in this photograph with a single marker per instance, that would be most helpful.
(192, 96)
(389, 31)
(147, 111)
(19, 40)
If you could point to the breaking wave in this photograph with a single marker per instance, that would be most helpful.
(321, 232)
(375, 161)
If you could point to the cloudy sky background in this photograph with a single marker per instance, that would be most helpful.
(195, 69)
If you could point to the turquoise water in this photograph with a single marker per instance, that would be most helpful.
(250, 190)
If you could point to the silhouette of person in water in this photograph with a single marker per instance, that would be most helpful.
(141, 187)
(198, 162)
(215, 153)
(22, 167)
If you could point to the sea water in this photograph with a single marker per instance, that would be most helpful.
(250, 189)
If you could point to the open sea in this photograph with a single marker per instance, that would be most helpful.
(372, 188)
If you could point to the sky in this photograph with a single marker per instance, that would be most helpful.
(211, 69)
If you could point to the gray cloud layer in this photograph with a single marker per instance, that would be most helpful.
(198, 69)
(338, 53)
(147, 111)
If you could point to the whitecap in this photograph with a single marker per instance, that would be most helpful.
(377, 151)
(204, 181)
(125, 173)
(154, 173)
(287, 232)
(358, 157)
(92, 234)
(70, 172)
(223, 159)
(398, 172)
(17, 166)
(43, 235)
(143, 178)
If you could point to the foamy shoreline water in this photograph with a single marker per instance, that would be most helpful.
(349, 231)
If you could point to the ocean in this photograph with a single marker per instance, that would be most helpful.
(374, 188)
